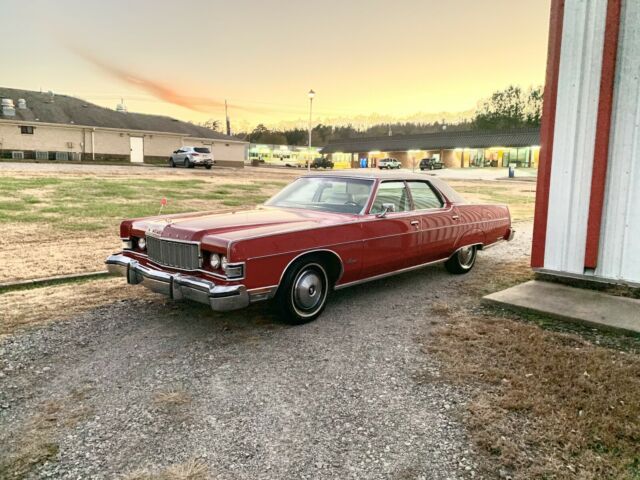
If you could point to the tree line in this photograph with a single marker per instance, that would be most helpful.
(510, 108)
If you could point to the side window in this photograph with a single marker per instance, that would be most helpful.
(391, 192)
(424, 196)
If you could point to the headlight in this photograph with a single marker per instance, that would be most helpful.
(214, 261)
(142, 243)
(224, 262)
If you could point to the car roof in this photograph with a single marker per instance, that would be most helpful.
(375, 174)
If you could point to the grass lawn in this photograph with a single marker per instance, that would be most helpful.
(55, 226)
(549, 400)
(90, 204)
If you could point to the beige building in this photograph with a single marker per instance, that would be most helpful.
(455, 149)
(46, 126)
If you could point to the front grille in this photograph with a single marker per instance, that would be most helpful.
(185, 256)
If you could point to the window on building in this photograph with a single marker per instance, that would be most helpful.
(423, 196)
(26, 130)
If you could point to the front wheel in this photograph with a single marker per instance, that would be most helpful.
(463, 260)
(172, 164)
(208, 167)
(303, 292)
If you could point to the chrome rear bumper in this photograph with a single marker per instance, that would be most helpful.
(220, 298)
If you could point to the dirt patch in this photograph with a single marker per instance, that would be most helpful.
(545, 404)
(30, 251)
(27, 308)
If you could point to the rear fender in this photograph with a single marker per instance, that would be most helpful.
(470, 237)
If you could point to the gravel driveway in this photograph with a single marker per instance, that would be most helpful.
(147, 384)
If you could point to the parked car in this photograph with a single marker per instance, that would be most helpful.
(431, 164)
(388, 163)
(319, 234)
(191, 157)
(321, 163)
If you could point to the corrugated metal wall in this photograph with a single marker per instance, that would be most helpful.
(620, 237)
(574, 136)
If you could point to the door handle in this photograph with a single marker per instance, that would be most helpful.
(455, 217)
(415, 223)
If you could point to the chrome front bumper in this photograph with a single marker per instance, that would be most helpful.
(220, 298)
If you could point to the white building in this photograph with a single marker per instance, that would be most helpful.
(587, 222)
(47, 126)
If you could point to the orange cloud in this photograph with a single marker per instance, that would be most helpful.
(158, 90)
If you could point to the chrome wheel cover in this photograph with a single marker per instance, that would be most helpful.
(466, 256)
(308, 292)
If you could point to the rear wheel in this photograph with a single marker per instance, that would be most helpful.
(302, 296)
(187, 163)
(463, 260)
(207, 166)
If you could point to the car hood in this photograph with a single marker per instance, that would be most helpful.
(232, 226)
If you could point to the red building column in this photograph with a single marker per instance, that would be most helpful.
(546, 133)
(603, 132)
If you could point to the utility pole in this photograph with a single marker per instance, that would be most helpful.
(311, 95)
(226, 116)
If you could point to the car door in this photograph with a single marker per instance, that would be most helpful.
(438, 221)
(185, 155)
(391, 242)
(178, 157)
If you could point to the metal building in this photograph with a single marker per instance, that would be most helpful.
(587, 222)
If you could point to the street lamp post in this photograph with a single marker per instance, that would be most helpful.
(311, 95)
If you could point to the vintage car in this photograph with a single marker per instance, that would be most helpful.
(321, 233)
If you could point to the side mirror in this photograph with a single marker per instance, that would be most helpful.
(386, 208)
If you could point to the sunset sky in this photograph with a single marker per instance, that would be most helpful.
(397, 59)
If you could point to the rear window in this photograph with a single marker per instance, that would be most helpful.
(202, 150)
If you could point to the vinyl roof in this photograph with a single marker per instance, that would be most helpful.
(68, 110)
(437, 141)
(374, 174)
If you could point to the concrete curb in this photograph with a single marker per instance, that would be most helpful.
(586, 307)
(41, 282)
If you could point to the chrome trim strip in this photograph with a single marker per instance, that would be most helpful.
(176, 240)
(360, 219)
(311, 252)
(389, 274)
(402, 270)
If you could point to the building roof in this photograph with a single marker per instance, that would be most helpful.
(66, 110)
(437, 141)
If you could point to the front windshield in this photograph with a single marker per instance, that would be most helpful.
(327, 194)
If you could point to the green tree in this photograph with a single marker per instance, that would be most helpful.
(510, 108)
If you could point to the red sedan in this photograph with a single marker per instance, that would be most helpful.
(321, 233)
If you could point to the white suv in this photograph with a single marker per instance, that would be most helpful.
(389, 163)
(192, 157)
